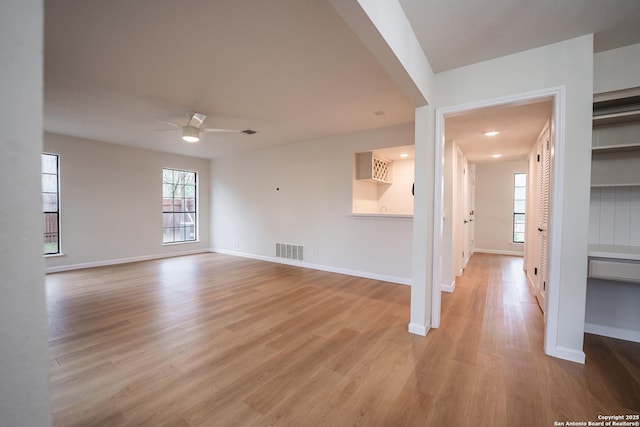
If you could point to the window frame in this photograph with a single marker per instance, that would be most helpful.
(55, 212)
(517, 214)
(183, 228)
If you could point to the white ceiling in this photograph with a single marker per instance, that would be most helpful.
(454, 33)
(519, 126)
(406, 152)
(291, 69)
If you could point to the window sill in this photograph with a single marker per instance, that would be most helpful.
(53, 255)
(181, 243)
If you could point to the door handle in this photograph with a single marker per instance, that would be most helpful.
(465, 221)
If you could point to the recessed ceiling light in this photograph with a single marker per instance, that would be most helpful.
(404, 155)
(495, 156)
(491, 133)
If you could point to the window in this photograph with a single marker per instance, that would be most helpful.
(519, 198)
(178, 206)
(51, 203)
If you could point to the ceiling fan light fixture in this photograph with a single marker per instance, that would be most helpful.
(190, 134)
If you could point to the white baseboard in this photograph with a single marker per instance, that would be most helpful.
(611, 332)
(348, 272)
(569, 354)
(448, 288)
(418, 329)
(60, 268)
(499, 252)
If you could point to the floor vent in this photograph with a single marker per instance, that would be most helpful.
(285, 250)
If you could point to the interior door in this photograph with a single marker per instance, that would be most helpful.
(467, 212)
(544, 166)
(459, 215)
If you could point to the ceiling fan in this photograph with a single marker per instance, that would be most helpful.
(191, 131)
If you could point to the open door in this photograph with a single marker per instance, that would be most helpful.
(469, 197)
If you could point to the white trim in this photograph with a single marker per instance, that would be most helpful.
(559, 99)
(611, 332)
(448, 288)
(532, 284)
(348, 272)
(181, 242)
(381, 216)
(59, 254)
(418, 329)
(569, 354)
(499, 252)
(438, 218)
(108, 262)
(555, 232)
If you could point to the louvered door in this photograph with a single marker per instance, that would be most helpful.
(544, 194)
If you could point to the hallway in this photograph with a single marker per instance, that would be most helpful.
(491, 341)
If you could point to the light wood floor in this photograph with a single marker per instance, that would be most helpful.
(212, 340)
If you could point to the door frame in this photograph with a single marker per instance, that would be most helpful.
(558, 96)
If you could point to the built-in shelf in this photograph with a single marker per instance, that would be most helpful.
(616, 118)
(615, 168)
(618, 263)
(620, 148)
(631, 253)
(372, 168)
(613, 98)
(617, 107)
(616, 139)
(614, 185)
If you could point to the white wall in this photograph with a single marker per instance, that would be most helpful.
(397, 197)
(567, 64)
(494, 207)
(616, 69)
(24, 376)
(365, 196)
(612, 309)
(111, 202)
(394, 198)
(301, 194)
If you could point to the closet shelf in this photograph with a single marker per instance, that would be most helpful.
(616, 118)
(628, 184)
(616, 148)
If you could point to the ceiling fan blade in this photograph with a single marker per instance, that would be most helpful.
(220, 130)
(166, 122)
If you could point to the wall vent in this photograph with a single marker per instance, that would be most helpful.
(286, 250)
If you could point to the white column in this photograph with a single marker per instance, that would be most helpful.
(24, 367)
(422, 285)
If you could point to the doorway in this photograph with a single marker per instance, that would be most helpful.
(555, 99)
